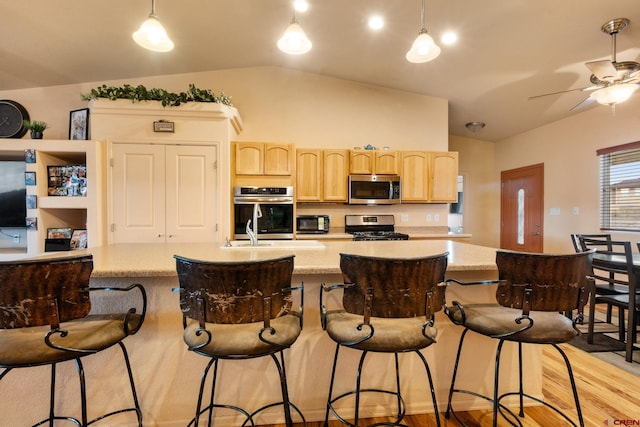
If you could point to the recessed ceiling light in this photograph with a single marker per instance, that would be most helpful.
(376, 22)
(301, 5)
(449, 38)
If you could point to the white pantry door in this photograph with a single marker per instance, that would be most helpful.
(163, 193)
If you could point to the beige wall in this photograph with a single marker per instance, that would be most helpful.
(283, 105)
(568, 150)
(481, 189)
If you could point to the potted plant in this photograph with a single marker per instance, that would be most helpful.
(35, 127)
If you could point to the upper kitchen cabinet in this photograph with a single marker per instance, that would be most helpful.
(322, 175)
(443, 177)
(373, 162)
(336, 172)
(259, 158)
(309, 175)
(429, 176)
(414, 173)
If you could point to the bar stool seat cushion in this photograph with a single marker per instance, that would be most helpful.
(26, 346)
(391, 334)
(495, 320)
(243, 339)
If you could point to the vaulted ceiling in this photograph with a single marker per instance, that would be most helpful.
(506, 52)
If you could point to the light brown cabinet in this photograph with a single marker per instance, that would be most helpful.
(309, 175)
(322, 175)
(259, 158)
(414, 173)
(443, 177)
(429, 176)
(370, 162)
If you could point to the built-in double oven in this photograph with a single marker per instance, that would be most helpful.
(270, 207)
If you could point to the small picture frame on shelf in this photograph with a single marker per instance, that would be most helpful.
(59, 233)
(67, 180)
(30, 178)
(79, 239)
(32, 201)
(79, 124)
(29, 155)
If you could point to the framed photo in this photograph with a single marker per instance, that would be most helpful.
(67, 180)
(79, 124)
(32, 223)
(30, 178)
(79, 239)
(32, 201)
(59, 233)
(29, 155)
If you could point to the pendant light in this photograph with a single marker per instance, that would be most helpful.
(152, 35)
(294, 41)
(424, 49)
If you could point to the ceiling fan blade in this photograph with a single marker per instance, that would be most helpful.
(583, 104)
(583, 89)
(603, 70)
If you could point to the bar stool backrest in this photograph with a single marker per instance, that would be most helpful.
(235, 292)
(399, 287)
(556, 282)
(29, 290)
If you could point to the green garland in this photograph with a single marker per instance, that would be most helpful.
(141, 93)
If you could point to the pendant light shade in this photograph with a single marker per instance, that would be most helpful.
(294, 41)
(152, 35)
(424, 49)
(614, 94)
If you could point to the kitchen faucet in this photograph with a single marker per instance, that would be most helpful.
(253, 233)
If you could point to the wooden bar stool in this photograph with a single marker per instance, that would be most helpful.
(239, 311)
(45, 320)
(388, 307)
(533, 292)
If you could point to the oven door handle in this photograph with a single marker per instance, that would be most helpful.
(263, 200)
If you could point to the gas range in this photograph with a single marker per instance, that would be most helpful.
(372, 227)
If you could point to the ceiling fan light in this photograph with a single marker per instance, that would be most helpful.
(152, 35)
(424, 49)
(294, 41)
(614, 94)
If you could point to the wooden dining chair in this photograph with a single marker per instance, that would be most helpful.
(612, 281)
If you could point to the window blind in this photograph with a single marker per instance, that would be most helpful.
(620, 187)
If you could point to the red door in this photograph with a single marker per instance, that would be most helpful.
(522, 208)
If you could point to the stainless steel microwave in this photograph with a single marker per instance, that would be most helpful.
(312, 224)
(374, 189)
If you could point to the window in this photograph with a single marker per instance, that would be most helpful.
(620, 187)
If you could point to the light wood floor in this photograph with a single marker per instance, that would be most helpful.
(606, 393)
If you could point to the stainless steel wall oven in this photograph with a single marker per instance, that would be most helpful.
(270, 207)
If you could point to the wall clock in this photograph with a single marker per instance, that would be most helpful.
(11, 116)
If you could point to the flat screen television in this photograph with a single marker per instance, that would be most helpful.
(13, 193)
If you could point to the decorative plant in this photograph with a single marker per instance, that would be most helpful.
(34, 126)
(141, 93)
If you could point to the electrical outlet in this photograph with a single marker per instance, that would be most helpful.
(404, 217)
(436, 217)
(428, 217)
(16, 238)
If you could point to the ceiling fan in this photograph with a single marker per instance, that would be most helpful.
(612, 81)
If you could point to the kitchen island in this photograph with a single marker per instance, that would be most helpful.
(167, 375)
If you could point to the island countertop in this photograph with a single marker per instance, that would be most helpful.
(156, 260)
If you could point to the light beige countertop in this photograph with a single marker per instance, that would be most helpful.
(156, 260)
